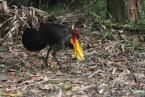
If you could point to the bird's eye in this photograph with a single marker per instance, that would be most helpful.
(78, 36)
(66, 30)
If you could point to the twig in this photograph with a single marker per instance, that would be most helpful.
(39, 11)
(94, 73)
(40, 82)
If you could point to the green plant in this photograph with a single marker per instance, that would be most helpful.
(131, 46)
(58, 8)
(106, 35)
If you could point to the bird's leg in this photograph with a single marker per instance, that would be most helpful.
(63, 44)
(54, 53)
(46, 59)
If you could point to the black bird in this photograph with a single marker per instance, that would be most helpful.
(56, 36)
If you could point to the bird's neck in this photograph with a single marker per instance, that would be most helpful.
(68, 37)
(74, 38)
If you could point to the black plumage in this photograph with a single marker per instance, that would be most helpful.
(56, 36)
(32, 40)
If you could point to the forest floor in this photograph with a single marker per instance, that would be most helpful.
(112, 67)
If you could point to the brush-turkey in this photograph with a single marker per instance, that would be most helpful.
(54, 36)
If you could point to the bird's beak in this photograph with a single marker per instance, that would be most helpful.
(77, 49)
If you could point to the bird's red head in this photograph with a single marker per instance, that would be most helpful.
(76, 31)
(76, 45)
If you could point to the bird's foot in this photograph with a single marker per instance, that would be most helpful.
(60, 67)
(46, 66)
(64, 68)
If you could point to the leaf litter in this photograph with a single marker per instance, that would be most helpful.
(106, 71)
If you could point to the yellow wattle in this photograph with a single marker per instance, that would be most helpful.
(77, 50)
